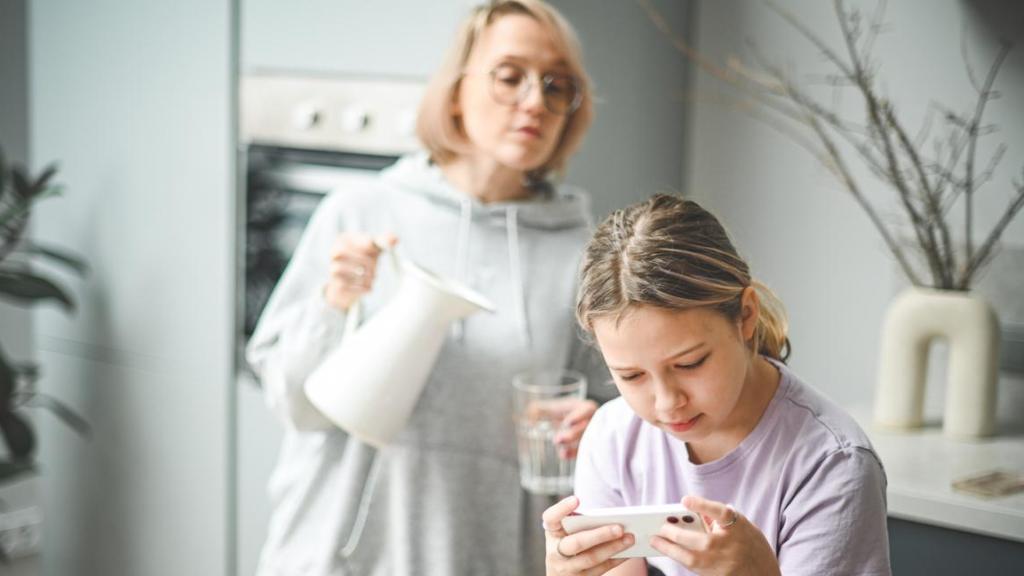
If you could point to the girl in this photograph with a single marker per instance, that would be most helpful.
(710, 415)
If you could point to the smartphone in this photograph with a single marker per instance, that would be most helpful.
(641, 521)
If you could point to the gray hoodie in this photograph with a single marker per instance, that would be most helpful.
(444, 498)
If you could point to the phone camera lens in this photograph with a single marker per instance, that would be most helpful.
(688, 519)
(672, 520)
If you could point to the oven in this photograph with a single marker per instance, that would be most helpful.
(301, 137)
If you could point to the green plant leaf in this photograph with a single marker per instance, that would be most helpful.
(20, 439)
(68, 259)
(28, 188)
(8, 383)
(24, 287)
(62, 411)
(10, 470)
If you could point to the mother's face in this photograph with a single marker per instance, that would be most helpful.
(511, 127)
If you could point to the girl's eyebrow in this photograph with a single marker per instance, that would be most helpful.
(683, 352)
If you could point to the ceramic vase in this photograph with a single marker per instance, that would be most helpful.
(970, 327)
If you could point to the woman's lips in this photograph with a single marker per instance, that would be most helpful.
(683, 426)
(528, 131)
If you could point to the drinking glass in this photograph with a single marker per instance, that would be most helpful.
(542, 400)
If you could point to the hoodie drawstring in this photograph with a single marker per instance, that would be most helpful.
(516, 265)
(462, 256)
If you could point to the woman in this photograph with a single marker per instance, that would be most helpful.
(506, 110)
(710, 415)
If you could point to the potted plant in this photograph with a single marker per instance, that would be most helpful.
(928, 173)
(22, 284)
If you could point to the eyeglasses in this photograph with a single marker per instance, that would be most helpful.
(511, 84)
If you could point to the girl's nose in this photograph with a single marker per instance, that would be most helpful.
(668, 397)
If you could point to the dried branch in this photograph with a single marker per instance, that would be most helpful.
(985, 94)
(926, 187)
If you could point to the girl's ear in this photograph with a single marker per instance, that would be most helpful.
(750, 313)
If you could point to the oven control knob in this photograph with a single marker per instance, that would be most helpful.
(306, 117)
(354, 119)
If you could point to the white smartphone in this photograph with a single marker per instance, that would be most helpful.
(641, 521)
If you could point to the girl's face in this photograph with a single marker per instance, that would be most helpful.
(686, 372)
(519, 135)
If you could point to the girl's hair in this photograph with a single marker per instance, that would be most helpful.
(441, 132)
(670, 253)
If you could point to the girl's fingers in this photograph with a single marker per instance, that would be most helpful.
(605, 566)
(686, 538)
(719, 513)
(587, 543)
(673, 551)
(552, 517)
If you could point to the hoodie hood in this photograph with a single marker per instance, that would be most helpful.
(560, 208)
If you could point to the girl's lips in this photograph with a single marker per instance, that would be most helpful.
(531, 132)
(683, 426)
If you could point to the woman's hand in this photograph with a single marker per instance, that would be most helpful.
(732, 546)
(573, 424)
(353, 267)
(588, 552)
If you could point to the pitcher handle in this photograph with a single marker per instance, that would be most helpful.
(355, 310)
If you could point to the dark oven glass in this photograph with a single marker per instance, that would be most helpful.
(283, 188)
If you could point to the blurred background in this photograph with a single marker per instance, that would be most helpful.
(140, 104)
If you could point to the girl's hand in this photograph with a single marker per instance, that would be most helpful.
(573, 424)
(732, 546)
(353, 267)
(588, 552)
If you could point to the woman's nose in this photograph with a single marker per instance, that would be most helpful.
(533, 98)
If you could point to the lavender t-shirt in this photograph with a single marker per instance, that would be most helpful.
(807, 476)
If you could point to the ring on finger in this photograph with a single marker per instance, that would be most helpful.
(558, 548)
(732, 520)
(360, 271)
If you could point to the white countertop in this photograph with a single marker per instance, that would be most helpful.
(922, 465)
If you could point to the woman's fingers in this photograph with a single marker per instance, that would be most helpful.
(573, 425)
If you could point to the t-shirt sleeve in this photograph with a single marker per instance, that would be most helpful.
(835, 525)
(597, 481)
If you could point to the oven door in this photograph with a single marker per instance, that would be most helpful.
(284, 187)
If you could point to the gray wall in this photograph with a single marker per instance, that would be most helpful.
(15, 325)
(136, 100)
(637, 143)
(402, 38)
(15, 322)
(805, 236)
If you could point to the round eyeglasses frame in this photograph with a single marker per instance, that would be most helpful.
(551, 103)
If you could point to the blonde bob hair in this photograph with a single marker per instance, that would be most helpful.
(671, 253)
(439, 129)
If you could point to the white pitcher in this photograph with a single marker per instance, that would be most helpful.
(369, 385)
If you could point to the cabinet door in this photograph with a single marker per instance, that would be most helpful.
(136, 100)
